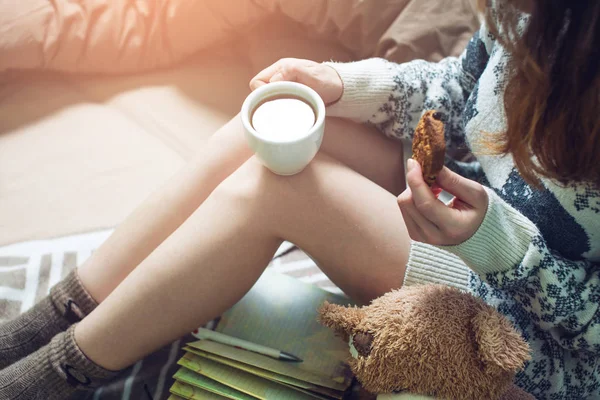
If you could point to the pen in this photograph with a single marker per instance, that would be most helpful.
(207, 334)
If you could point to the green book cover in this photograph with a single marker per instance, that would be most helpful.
(242, 381)
(200, 381)
(319, 391)
(175, 397)
(188, 392)
(281, 312)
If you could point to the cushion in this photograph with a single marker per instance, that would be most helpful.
(129, 36)
(429, 30)
(399, 30)
(114, 35)
(355, 24)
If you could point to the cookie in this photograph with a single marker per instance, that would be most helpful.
(429, 145)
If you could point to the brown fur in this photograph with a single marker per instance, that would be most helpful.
(431, 340)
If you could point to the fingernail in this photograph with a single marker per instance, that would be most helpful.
(255, 85)
(410, 164)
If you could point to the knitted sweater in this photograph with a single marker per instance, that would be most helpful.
(536, 256)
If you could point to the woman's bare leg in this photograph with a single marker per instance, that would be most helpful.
(367, 152)
(164, 211)
(359, 147)
(349, 225)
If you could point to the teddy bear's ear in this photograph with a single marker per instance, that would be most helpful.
(342, 319)
(499, 344)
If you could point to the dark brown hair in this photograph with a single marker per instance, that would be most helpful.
(552, 98)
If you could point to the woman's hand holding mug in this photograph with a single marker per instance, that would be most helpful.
(322, 78)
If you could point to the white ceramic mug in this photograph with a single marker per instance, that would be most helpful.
(286, 157)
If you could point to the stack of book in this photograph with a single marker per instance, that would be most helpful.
(276, 319)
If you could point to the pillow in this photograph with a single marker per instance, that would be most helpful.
(355, 24)
(133, 35)
(114, 35)
(399, 30)
(429, 30)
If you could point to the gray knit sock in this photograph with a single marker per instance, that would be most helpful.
(67, 303)
(54, 372)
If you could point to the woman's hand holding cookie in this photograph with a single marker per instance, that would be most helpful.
(428, 220)
(322, 78)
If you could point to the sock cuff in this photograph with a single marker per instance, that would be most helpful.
(71, 298)
(72, 365)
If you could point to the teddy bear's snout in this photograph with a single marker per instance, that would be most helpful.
(362, 342)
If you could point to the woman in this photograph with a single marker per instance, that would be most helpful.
(522, 232)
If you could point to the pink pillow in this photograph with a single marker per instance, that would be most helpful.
(114, 35)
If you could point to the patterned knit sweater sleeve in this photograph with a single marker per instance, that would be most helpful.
(393, 96)
(561, 296)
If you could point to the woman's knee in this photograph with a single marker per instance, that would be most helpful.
(251, 185)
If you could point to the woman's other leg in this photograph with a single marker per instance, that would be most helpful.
(164, 211)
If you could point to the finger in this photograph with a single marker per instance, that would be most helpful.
(459, 205)
(424, 199)
(413, 229)
(428, 230)
(277, 77)
(256, 84)
(466, 190)
(264, 76)
(286, 69)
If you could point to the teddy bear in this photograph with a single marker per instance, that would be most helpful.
(432, 341)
